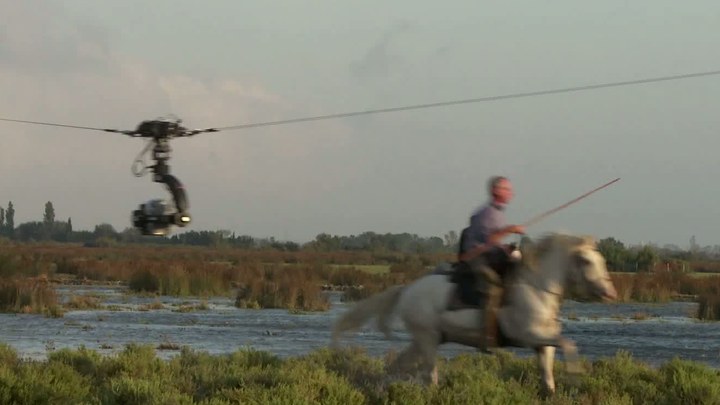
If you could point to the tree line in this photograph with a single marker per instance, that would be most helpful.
(51, 229)
(619, 257)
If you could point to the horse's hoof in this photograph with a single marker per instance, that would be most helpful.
(547, 393)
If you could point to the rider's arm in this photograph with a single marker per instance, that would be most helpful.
(493, 239)
(481, 233)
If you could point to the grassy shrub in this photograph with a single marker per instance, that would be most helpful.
(621, 377)
(336, 377)
(144, 281)
(126, 389)
(8, 356)
(685, 382)
(31, 295)
(84, 361)
(52, 383)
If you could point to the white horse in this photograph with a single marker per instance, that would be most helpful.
(528, 317)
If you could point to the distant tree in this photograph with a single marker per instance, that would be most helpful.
(81, 236)
(615, 253)
(69, 224)
(244, 241)
(10, 218)
(694, 247)
(451, 240)
(285, 246)
(105, 231)
(2, 218)
(130, 235)
(31, 231)
(49, 215)
(326, 242)
(646, 258)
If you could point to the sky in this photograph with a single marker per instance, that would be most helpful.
(224, 62)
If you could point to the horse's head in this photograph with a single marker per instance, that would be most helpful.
(589, 274)
(585, 269)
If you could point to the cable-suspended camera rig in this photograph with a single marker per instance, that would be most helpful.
(156, 217)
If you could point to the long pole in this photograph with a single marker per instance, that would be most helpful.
(542, 216)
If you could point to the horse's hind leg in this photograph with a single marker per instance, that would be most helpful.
(420, 356)
(405, 360)
(428, 344)
(572, 360)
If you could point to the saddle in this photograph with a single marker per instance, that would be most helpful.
(466, 294)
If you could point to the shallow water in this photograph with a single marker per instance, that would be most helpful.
(662, 332)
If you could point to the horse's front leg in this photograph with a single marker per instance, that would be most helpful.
(546, 357)
(540, 337)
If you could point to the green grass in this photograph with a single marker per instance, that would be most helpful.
(136, 375)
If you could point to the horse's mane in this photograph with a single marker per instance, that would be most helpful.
(533, 252)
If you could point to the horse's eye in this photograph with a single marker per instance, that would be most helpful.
(581, 261)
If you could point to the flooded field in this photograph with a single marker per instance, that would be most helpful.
(653, 333)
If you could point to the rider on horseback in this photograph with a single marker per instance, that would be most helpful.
(486, 256)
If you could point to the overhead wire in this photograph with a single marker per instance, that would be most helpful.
(476, 100)
(52, 124)
(415, 106)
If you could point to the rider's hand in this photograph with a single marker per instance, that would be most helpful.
(518, 229)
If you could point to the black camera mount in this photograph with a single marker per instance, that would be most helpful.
(155, 217)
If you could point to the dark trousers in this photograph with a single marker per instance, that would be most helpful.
(489, 284)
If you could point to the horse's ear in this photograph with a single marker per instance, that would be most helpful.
(527, 249)
(589, 240)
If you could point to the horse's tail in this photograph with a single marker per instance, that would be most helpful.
(380, 305)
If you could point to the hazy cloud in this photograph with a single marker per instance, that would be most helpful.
(379, 60)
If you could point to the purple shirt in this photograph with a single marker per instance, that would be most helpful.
(486, 220)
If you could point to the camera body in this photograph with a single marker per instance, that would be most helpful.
(155, 217)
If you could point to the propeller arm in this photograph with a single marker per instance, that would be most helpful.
(192, 132)
(124, 132)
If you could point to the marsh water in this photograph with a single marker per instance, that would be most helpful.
(653, 333)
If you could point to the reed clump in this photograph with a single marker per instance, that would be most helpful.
(81, 302)
(294, 287)
(709, 299)
(183, 279)
(659, 286)
(30, 296)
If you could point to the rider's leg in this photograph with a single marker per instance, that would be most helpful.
(490, 317)
(488, 284)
